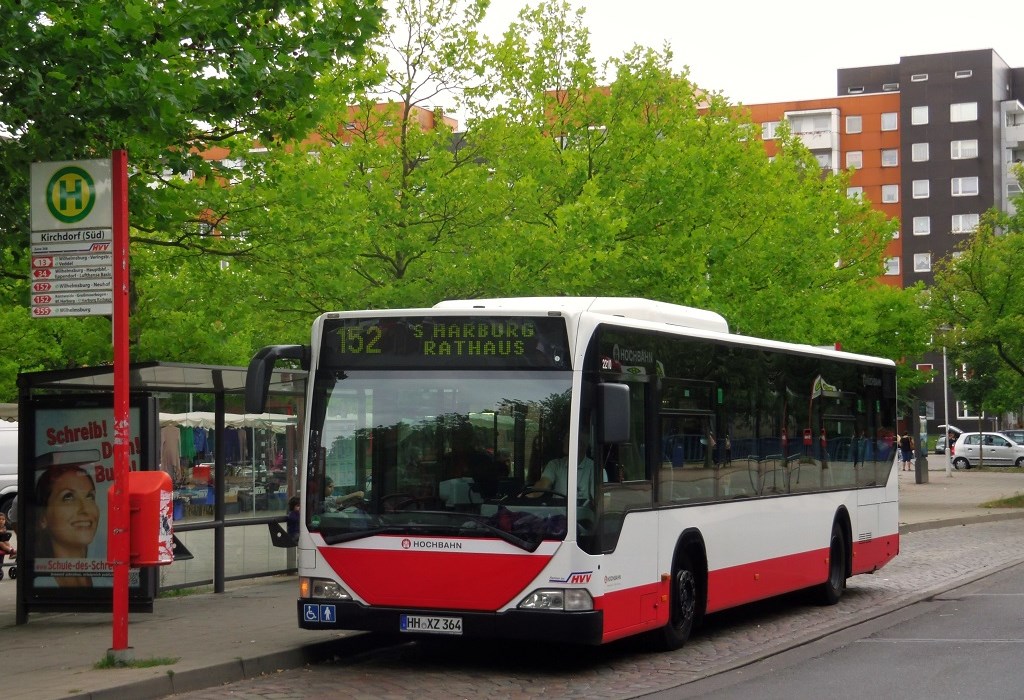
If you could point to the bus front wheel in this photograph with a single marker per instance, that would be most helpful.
(683, 602)
(832, 590)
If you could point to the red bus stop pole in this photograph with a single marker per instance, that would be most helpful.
(118, 543)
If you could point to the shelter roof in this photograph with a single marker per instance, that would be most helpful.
(161, 376)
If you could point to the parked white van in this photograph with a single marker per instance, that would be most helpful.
(8, 464)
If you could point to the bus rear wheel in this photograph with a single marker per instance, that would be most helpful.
(831, 591)
(683, 605)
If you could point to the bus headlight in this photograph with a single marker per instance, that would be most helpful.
(558, 599)
(322, 588)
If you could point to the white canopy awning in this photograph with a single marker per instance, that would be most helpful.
(277, 422)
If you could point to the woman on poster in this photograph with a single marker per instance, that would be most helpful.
(68, 520)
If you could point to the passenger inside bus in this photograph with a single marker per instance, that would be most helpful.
(467, 460)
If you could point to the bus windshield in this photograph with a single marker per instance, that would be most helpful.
(443, 453)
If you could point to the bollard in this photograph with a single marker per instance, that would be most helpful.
(921, 468)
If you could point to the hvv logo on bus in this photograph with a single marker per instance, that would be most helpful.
(579, 577)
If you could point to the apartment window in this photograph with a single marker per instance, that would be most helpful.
(855, 159)
(960, 74)
(810, 123)
(919, 152)
(961, 150)
(920, 189)
(963, 112)
(855, 192)
(964, 223)
(890, 87)
(964, 186)
(919, 115)
(890, 194)
(769, 130)
(824, 160)
(890, 157)
(922, 225)
(350, 126)
(892, 266)
(922, 262)
(964, 411)
(890, 121)
(918, 77)
(854, 124)
(855, 90)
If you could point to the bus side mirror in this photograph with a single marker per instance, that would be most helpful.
(613, 413)
(261, 367)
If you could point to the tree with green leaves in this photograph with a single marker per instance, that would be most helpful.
(336, 184)
(977, 305)
(167, 82)
(561, 183)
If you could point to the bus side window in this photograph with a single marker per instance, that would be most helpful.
(623, 462)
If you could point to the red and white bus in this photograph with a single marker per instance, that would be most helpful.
(713, 469)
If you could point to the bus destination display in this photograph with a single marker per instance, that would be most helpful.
(446, 341)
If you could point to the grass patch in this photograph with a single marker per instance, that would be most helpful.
(109, 661)
(1016, 501)
(179, 592)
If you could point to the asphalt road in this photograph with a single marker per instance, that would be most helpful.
(966, 643)
(933, 570)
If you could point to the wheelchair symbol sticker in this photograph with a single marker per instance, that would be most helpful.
(311, 612)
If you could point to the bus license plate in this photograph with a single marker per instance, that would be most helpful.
(430, 625)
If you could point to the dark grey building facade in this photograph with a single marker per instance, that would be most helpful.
(961, 130)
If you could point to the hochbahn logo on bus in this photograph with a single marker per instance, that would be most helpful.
(429, 544)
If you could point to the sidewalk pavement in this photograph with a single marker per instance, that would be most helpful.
(208, 639)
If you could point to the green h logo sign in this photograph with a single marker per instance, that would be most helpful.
(70, 194)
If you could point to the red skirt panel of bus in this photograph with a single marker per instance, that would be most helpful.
(875, 553)
(453, 581)
(646, 607)
(738, 585)
(634, 610)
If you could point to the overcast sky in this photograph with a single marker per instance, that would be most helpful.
(758, 52)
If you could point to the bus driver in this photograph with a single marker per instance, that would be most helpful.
(556, 473)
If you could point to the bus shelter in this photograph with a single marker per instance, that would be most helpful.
(226, 499)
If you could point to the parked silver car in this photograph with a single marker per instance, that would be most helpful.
(1016, 435)
(990, 449)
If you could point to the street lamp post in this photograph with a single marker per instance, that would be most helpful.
(945, 413)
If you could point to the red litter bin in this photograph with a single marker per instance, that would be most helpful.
(150, 507)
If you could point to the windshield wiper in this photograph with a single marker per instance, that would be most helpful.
(468, 527)
(477, 524)
(350, 535)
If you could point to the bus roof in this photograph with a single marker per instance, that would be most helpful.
(630, 307)
(636, 308)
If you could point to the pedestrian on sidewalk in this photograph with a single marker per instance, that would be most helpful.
(907, 450)
(6, 548)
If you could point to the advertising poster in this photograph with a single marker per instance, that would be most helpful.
(73, 471)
